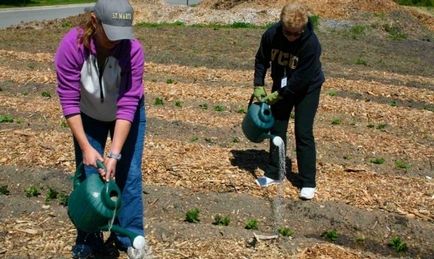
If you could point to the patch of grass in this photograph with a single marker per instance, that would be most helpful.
(371, 126)
(192, 215)
(252, 224)
(336, 121)
(377, 160)
(331, 235)
(395, 33)
(46, 94)
(401, 164)
(170, 81)
(381, 126)
(332, 92)
(393, 103)
(203, 106)
(216, 26)
(357, 31)
(219, 108)
(315, 19)
(194, 139)
(64, 124)
(63, 199)
(428, 3)
(398, 245)
(221, 221)
(4, 190)
(51, 195)
(178, 104)
(285, 231)
(6, 118)
(158, 101)
(361, 61)
(32, 191)
(241, 111)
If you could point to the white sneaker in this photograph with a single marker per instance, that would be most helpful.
(144, 253)
(307, 193)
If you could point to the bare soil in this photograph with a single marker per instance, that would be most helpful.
(377, 102)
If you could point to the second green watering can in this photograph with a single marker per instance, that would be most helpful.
(93, 204)
(258, 121)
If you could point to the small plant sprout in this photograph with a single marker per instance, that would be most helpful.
(6, 118)
(401, 164)
(377, 160)
(169, 81)
(381, 126)
(219, 108)
(285, 232)
(252, 224)
(221, 221)
(336, 121)
(192, 215)
(241, 111)
(332, 92)
(46, 94)
(32, 191)
(393, 103)
(398, 245)
(178, 104)
(51, 195)
(331, 235)
(235, 140)
(203, 106)
(63, 199)
(194, 139)
(4, 190)
(158, 101)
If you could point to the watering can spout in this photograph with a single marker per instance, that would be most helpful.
(137, 240)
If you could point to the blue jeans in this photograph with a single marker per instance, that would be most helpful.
(128, 174)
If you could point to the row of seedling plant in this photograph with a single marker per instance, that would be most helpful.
(33, 191)
(396, 243)
(192, 216)
(159, 101)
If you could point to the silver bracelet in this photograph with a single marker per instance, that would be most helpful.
(114, 156)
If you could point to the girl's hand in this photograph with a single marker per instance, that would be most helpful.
(110, 164)
(90, 156)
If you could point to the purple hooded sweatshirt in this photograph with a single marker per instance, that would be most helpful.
(107, 96)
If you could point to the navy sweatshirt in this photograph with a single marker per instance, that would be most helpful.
(299, 60)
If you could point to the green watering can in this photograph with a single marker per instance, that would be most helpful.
(94, 203)
(258, 121)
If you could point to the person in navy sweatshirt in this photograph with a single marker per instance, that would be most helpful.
(99, 69)
(293, 51)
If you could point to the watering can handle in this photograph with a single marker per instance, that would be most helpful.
(251, 101)
(80, 169)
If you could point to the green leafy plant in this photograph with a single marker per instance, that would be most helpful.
(219, 108)
(361, 61)
(203, 106)
(336, 121)
(377, 160)
(381, 126)
(401, 164)
(194, 139)
(357, 31)
(6, 118)
(242, 25)
(393, 103)
(51, 195)
(63, 199)
(397, 244)
(241, 111)
(371, 126)
(32, 191)
(315, 19)
(178, 104)
(251, 224)
(170, 81)
(285, 231)
(331, 235)
(63, 124)
(220, 220)
(395, 33)
(235, 140)
(46, 94)
(158, 101)
(332, 92)
(192, 215)
(4, 190)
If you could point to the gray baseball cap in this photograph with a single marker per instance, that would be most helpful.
(116, 17)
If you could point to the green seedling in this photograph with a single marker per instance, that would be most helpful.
(398, 245)
(63, 199)
(360, 239)
(393, 103)
(381, 126)
(361, 61)
(332, 92)
(46, 94)
(377, 161)
(192, 215)
(357, 31)
(203, 106)
(241, 111)
(331, 235)
(4, 190)
(252, 224)
(400, 164)
(32, 191)
(63, 124)
(315, 21)
(221, 221)
(170, 81)
(219, 108)
(158, 101)
(285, 231)
(178, 104)
(194, 139)
(371, 126)
(235, 140)
(6, 119)
(51, 195)
(336, 121)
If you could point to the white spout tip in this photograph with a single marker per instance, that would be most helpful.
(277, 141)
(139, 242)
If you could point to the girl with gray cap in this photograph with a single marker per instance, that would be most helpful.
(99, 70)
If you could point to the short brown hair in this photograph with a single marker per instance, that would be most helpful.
(294, 15)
